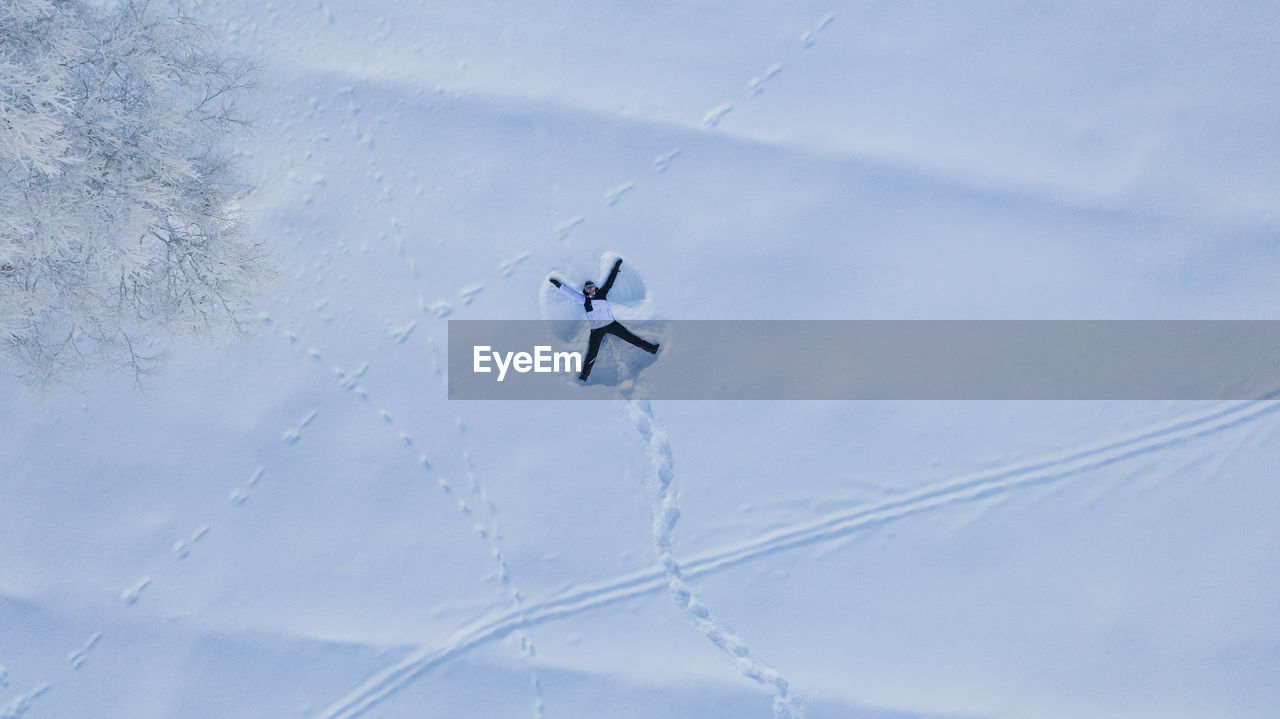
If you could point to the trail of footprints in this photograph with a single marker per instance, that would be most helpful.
(756, 85)
(441, 308)
(133, 593)
(666, 513)
(475, 506)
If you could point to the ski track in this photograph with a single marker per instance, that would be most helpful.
(833, 526)
(666, 512)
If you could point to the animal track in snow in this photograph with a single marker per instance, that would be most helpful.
(809, 37)
(493, 535)
(509, 266)
(182, 548)
(350, 382)
(292, 435)
(756, 85)
(439, 309)
(131, 595)
(400, 334)
(611, 196)
(662, 162)
(468, 293)
(490, 534)
(713, 116)
(76, 658)
(564, 229)
(239, 495)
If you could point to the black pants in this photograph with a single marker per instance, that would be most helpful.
(617, 330)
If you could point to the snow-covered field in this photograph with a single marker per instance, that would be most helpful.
(301, 525)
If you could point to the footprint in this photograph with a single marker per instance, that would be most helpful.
(77, 657)
(182, 547)
(612, 196)
(291, 436)
(663, 161)
(509, 266)
(400, 334)
(811, 36)
(440, 309)
(468, 293)
(131, 595)
(716, 114)
(349, 382)
(756, 85)
(564, 229)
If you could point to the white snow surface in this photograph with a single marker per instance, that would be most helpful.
(301, 525)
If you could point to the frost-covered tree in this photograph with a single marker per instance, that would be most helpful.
(118, 196)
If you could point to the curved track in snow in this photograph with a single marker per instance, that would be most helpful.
(836, 525)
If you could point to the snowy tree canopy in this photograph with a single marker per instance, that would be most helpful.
(118, 216)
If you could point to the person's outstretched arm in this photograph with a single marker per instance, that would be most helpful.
(577, 296)
(613, 275)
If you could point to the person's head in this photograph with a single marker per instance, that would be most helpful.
(590, 289)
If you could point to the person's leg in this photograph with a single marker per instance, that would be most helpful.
(593, 348)
(616, 329)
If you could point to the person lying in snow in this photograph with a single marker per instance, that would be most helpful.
(602, 321)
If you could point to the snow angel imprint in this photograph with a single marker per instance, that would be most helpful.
(602, 321)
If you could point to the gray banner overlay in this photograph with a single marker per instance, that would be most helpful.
(873, 359)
